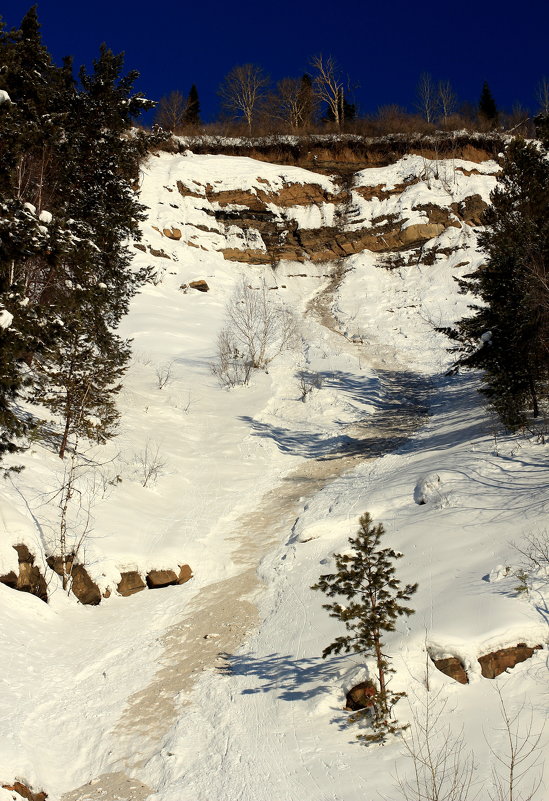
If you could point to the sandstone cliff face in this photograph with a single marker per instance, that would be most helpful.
(269, 213)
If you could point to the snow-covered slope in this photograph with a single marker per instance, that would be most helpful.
(215, 690)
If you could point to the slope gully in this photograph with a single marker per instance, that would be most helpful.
(219, 619)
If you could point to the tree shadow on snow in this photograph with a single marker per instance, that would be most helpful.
(292, 679)
(400, 402)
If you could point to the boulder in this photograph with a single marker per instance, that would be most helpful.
(81, 584)
(421, 232)
(28, 578)
(200, 285)
(498, 662)
(451, 666)
(161, 578)
(361, 696)
(172, 233)
(83, 587)
(130, 583)
(470, 210)
(185, 573)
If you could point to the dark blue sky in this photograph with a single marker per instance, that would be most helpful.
(384, 46)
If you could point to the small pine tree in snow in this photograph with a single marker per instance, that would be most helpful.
(366, 578)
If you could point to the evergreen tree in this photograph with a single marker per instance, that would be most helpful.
(79, 380)
(67, 209)
(29, 126)
(487, 109)
(307, 103)
(366, 579)
(192, 111)
(508, 336)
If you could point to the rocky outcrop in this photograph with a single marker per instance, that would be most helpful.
(382, 192)
(158, 253)
(172, 233)
(498, 662)
(131, 581)
(470, 210)
(346, 153)
(278, 237)
(329, 243)
(451, 666)
(24, 791)
(29, 577)
(291, 194)
(79, 581)
(491, 665)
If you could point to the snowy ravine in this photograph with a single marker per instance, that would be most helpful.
(215, 690)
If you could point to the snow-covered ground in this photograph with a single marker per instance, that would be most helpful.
(215, 690)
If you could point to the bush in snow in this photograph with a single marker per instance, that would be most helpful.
(256, 331)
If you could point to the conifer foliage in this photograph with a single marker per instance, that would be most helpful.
(67, 209)
(508, 335)
(487, 109)
(366, 579)
(192, 112)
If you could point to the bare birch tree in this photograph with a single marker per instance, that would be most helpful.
(427, 97)
(171, 111)
(517, 771)
(543, 96)
(255, 332)
(328, 85)
(293, 102)
(242, 90)
(442, 767)
(446, 100)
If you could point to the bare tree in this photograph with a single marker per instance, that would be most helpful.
(517, 772)
(543, 95)
(293, 101)
(442, 768)
(328, 85)
(308, 381)
(164, 373)
(242, 90)
(427, 97)
(149, 463)
(171, 111)
(447, 100)
(255, 332)
(75, 496)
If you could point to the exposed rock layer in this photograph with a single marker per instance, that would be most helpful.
(492, 664)
(498, 662)
(29, 577)
(346, 154)
(280, 237)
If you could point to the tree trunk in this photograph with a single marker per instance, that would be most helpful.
(533, 396)
(380, 672)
